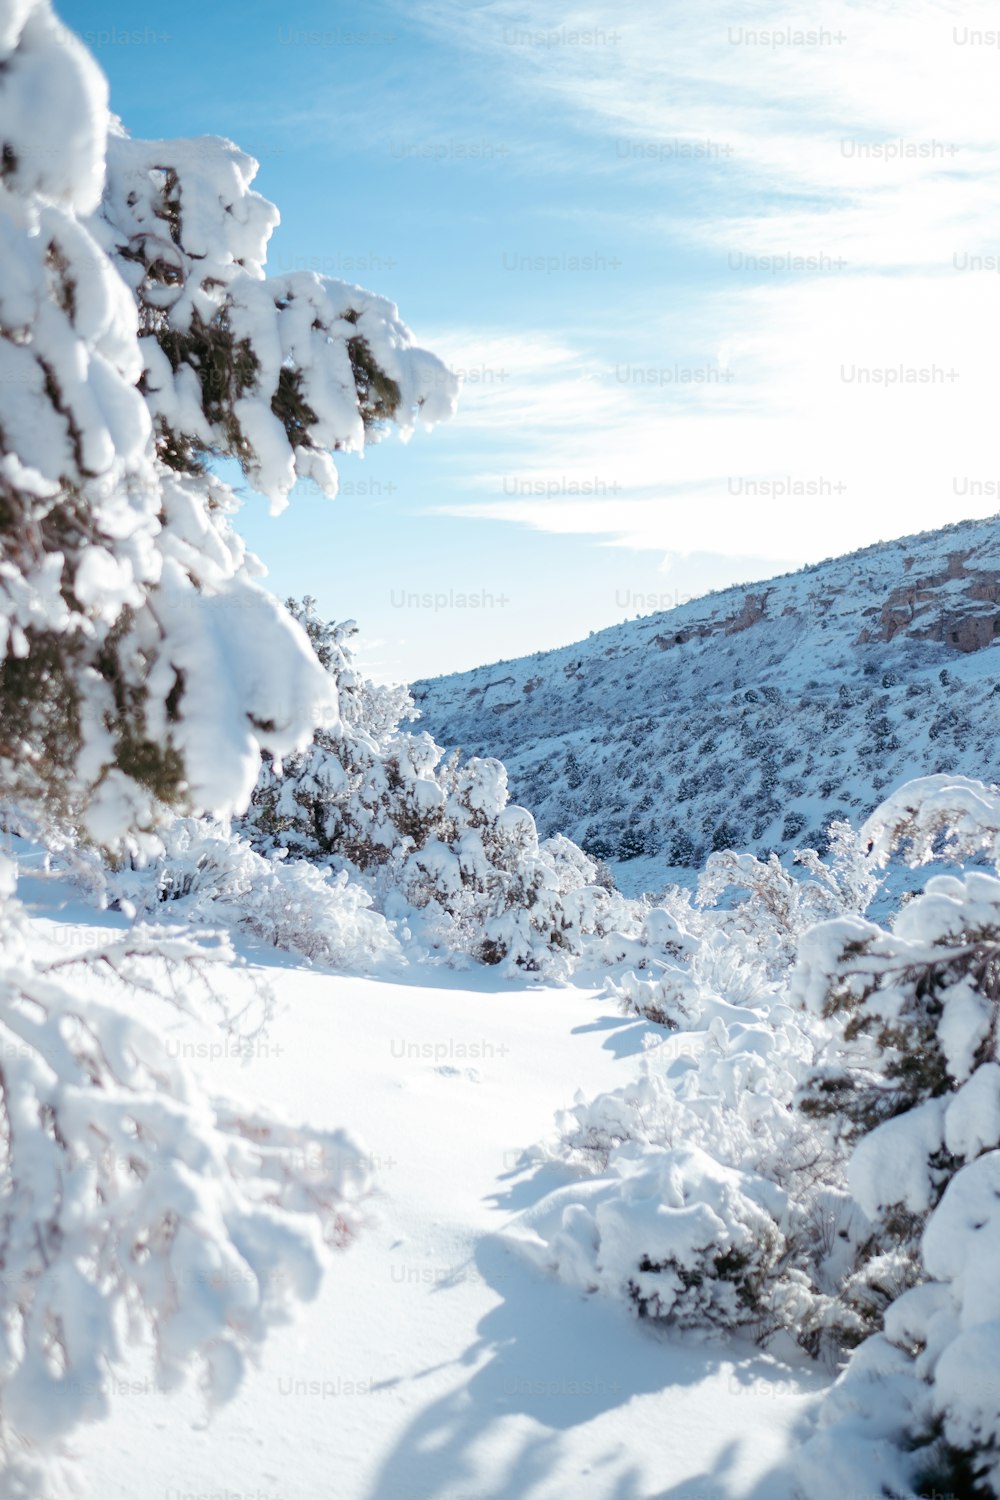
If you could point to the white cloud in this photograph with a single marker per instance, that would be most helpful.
(876, 374)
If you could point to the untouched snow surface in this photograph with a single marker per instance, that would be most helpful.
(437, 1362)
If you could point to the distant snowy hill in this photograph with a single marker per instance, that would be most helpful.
(753, 717)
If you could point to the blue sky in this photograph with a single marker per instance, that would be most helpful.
(710, 279)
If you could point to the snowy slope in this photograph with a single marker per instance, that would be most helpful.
(752, 717)
(436, 1362)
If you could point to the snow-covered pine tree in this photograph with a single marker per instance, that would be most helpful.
(350, 795)
(140, 663)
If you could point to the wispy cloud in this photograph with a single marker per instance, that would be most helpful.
(849, 286)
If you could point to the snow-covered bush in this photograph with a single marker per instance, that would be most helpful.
(740, 936)
(775, 906)
(936, 816)
(825, 1165)
(922, 1104)
(861, 1081)
(127, 1191)
(686, 960)
(487, 886)
(434, 839)
(726, 1093)
(204, 875)
(685, 1240)
(669, 995)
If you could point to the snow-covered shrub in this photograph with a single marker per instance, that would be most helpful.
(489, 887)
(207, 876)
(669, 995)
(741, 949)
(726, 1093)
(933, 816)
(686, 1241)
(434, 839)
(353, 792)
(706, 962)
(924, 996)
(748, 995)
(127, 1191)
(921, 1101)
(665, 989)
(775, 906)
(824, 1164)
(727, 1090)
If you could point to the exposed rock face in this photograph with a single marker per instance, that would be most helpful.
(956, 604)
(930, 608)
(753, 610)
(973, 632)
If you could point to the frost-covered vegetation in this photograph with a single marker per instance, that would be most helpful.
(140, 338)
(817, 1165)
(434, 840)
(810, 1153)
(370, 848)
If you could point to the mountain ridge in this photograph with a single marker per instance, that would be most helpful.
(755, 715)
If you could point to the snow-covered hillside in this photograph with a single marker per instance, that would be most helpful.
(753, 717)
